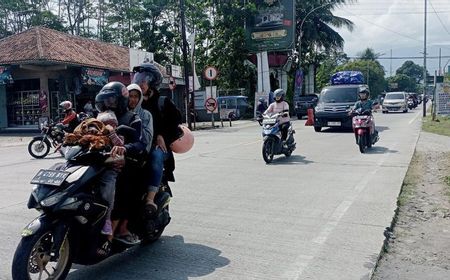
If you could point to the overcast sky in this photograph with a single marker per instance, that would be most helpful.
(398, 25)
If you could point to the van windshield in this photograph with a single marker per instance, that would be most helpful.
(395, 96)
(339, 95)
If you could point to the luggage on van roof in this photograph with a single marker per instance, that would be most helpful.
(347, 77)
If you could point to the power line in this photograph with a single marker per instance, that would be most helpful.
(439, 18)
(402, 57)
(398, 13)
(385, 28)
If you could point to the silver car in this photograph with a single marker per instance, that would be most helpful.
(395, 102)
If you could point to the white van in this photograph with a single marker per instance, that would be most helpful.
(395, 102)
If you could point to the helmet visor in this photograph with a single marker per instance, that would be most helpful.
(106, 101)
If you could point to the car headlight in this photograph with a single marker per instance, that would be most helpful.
(52, 200)
(319, 108)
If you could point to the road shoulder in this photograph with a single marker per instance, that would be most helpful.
(417, 244)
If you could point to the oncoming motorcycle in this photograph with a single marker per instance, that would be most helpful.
(68, 229)
(52, 135)
(364, 129)
(272, 143)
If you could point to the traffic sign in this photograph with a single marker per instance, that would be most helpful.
(211, 73)
(172, 84)
(211, 104)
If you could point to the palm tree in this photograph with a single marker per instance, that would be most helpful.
(317, 23)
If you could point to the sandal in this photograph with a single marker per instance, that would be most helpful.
(105, 250)
(150, 210)
(129, 239)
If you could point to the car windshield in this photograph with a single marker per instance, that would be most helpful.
(395, 96)
(339, 95)
(306, 97)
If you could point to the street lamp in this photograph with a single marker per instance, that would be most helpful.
(301, 32)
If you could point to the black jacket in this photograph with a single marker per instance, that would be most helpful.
(152, 106)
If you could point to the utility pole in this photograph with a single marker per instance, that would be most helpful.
(390, 66)
(425, 60)
(185, 63)
(440, 56)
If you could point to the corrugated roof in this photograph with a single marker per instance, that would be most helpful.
(40, 44)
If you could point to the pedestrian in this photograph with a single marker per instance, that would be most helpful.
(88, 108)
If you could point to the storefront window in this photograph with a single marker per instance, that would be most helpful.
(23, 103)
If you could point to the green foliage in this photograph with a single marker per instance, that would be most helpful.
(328, 67)
(411, 70)
(402, 82)
(315, 23)
(373, 74)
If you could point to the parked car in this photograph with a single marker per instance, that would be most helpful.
(304, 102)
(334, 104)
(237, 106)
(395, 102)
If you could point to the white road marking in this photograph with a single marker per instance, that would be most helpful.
(417, 115)
(338, 213)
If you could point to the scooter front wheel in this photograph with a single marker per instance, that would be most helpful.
(361, 144)
(32, 259)
(267, 150)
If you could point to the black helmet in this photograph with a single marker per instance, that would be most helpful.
(113, 96)
(364, 93)
(149, 73)
(279, 95)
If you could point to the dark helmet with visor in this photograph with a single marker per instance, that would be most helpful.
(148, 73)
(113, 96)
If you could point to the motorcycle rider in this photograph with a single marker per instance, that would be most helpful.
(364, 104)
(70, 120)
(280, 106)
(141, 172)
(149, 78)
(114, 96)
(262, 105)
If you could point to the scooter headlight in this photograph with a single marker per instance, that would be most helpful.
(52, 200)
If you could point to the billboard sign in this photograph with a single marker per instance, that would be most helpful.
(92, 76)
(443, 98)
(272, 26)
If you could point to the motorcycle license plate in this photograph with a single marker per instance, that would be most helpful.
(50, 177)
(334, 123)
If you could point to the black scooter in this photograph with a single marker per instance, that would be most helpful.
(72, 216)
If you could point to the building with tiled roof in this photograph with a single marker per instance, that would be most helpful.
(41, 67)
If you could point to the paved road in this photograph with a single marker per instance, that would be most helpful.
(319, 214)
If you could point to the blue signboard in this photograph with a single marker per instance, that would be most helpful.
(5, 75)
(92, 76)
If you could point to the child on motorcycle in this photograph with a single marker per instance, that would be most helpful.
(280, 106)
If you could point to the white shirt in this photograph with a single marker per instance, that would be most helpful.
(277, 108)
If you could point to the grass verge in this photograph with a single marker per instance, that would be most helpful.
(440, 126)
(411, 180)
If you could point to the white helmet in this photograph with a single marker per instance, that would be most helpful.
(66, 105)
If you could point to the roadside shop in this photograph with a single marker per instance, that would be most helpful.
(41, 67)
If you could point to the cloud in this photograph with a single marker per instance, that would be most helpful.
(398, 25)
